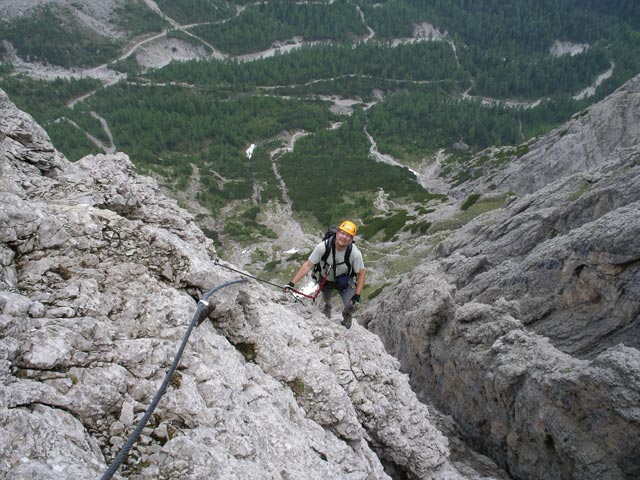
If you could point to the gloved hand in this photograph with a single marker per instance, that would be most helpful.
(288, 287)
(355, 301)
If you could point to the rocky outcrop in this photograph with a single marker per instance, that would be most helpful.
(605, 134)
(539, 412)
(567, 255)
(100, 275)
(524, 324)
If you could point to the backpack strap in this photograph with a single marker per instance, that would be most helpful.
(330, 248)
(333, 254)
(318, 267)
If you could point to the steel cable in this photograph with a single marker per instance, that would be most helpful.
(202, 311)
(291, 290)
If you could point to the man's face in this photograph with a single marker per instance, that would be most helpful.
(343, 239)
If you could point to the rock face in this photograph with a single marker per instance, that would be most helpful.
(100, 275)
(524, 326)
(604, 135)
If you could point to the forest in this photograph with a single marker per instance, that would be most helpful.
(52, 35)
(262, 24)
(457, 76)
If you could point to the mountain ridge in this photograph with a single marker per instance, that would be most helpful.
(100, 272)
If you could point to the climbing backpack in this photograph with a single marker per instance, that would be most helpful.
(330, 243)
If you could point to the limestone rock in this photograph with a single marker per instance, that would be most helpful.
(602, 135)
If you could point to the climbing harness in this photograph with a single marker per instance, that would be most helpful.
(293, 291)
(202, 311)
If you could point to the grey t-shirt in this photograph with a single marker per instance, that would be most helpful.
(355, 259)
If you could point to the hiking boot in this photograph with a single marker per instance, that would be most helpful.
(346, 317)
(326, 309)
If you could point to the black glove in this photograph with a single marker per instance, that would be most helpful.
(287, 287)
(355, 300)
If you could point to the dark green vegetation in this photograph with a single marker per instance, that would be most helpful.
(47, 103)
(187, 12)
(389, 226)
(261, 25)
(52, 34)
(45, 100)
(330, 175)
(193, 121)
(505, 46)
(471, 199)
(406, 64)
(168, 129)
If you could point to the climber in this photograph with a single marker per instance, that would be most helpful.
(339, 262)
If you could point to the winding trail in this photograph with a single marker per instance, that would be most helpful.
(111, 148)
(274, 165)
(388, 159)
(96, 141)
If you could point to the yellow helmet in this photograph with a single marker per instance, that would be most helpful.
(348, 227)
